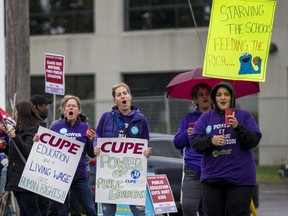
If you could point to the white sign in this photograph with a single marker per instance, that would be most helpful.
(54, 74)
(121, 171)
(51, 165)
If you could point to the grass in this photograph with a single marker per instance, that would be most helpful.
(269, 174)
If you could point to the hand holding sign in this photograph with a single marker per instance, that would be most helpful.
(46, 169)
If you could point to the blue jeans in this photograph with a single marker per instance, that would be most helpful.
(28, 203)
(110, 209)
(82, 190)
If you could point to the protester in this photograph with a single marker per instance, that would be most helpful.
(72, 126)
(191, 188)
(27, 123)
(228, 172)
(123, 121)
(40, 103)
(75, 208)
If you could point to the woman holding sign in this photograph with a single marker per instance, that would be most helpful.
(228, 173)
(72, 126)
(27, 123)
(123, 121)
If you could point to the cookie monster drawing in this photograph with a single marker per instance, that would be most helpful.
(246, 66)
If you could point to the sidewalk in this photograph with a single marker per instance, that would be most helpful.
(273, 198)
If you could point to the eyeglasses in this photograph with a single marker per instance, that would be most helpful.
(71, 106)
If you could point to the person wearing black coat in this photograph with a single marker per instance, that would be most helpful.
(27, 123)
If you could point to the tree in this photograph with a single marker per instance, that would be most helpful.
(17, 45)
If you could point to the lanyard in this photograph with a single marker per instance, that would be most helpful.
(117, 120)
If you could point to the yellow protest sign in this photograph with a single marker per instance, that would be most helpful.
(239, 39)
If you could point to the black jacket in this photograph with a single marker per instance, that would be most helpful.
(24, 141)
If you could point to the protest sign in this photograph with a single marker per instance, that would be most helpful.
(121, 171)
(161, 194)
(238, 39)
(51, 165)
(124, 210)
(54, 74)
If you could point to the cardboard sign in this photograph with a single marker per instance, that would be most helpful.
(51, 165)
(161, 194)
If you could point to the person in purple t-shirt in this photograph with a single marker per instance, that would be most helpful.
(72, 126)
(228, 172)
(191, 188)
(123, 121)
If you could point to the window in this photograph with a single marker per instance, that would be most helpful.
(49, 17)
(81, 86)
(148, 84)
(165, 14)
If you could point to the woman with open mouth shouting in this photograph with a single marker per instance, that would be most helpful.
(123, 121)
(72, 126)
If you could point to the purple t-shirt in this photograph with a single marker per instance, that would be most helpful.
(231, 162)
(78, 132)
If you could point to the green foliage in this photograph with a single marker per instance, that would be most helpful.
(266, 173)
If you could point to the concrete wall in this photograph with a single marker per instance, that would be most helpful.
(110, 51)
(273, 103)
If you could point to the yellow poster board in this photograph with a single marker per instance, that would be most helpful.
(239, 39)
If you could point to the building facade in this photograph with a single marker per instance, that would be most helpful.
(111, 54)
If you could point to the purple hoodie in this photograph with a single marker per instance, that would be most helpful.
(233, 162)
(137, 126)
(192, 159)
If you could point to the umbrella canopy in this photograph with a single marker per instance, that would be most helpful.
(182, 84)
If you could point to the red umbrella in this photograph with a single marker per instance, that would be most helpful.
(182, 84)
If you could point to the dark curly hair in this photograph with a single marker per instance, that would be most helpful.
(198, 86)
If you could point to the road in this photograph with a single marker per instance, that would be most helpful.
(273, 199)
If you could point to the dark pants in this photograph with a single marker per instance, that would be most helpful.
(43, 203)
(75, 205)
(216, 196)
(52, 208)
(83, 193)
(28, 203)
(191, 192)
